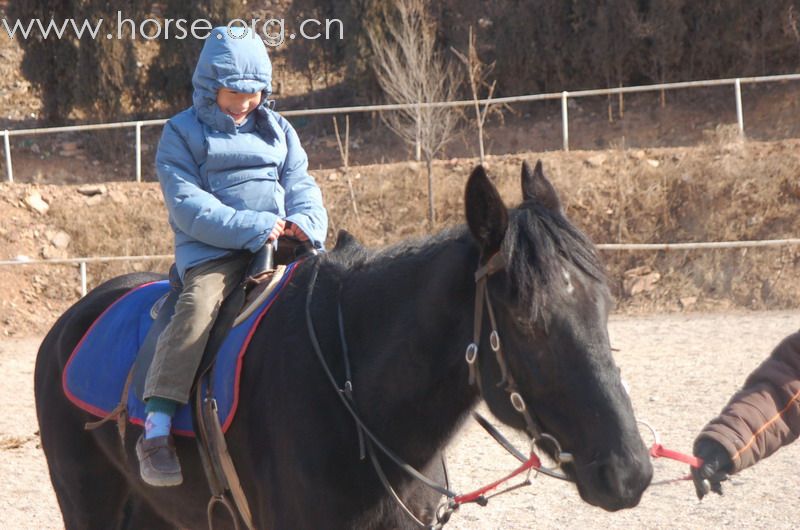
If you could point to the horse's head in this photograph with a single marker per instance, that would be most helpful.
(551, 305)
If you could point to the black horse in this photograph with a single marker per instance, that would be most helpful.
(408, 316)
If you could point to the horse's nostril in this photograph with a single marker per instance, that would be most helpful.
(624, 478)
(607, 477)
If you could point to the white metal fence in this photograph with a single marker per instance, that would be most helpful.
(710, 245)
(81, 263)
(563, 96)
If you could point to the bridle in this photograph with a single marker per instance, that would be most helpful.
(494, 264)
(369, 442)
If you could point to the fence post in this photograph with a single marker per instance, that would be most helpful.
(565, 120)
(418, 140)
(7, 148)
(82, 267)
(138, 151)
(739, 115)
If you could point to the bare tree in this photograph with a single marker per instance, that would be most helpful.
(477, 72)
(410, 70)
(614, 42)
(663, 32)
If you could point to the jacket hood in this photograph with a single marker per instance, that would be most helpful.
(233, 58)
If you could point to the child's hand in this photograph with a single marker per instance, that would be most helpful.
(277, 230)
(292, 230)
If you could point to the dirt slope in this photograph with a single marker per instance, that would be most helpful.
(719, 191)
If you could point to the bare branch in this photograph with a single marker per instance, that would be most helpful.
(477, 72)
(344, 150)
(411, 70)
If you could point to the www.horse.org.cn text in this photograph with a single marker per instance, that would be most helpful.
(272, 31)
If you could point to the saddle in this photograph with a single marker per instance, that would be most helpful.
(263, 274)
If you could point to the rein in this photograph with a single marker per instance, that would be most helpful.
(369, 440)
(345, 395)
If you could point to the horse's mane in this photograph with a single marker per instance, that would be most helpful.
(421, 249)
(536, 242)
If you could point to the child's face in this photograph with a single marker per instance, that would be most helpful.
(237, 105)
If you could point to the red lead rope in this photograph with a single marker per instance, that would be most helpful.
(658, 450)
(532, 463)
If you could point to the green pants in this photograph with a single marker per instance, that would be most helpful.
(182, 343)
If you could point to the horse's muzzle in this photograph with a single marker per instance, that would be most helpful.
(616, 481)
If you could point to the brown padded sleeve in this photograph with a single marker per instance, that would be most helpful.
(765, 415)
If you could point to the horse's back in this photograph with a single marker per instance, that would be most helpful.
(72, 325)
(78, 318)
(80, 471)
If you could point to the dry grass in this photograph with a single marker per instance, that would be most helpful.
(723, 190)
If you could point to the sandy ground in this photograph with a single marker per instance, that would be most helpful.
(680, 368)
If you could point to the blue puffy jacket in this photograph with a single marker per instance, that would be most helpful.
(225, 185)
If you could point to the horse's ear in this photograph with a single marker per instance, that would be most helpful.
(345, 239)
(535, 186)
(487, 216)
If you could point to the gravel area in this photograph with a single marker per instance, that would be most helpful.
(681, 369)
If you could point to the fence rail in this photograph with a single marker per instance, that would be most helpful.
(563, 96)
(81, 263)
(707, 245)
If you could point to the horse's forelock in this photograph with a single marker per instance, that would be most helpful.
(537, 243)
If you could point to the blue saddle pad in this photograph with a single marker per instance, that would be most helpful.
(96, 371)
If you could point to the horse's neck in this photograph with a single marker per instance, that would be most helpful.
(409, 322)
